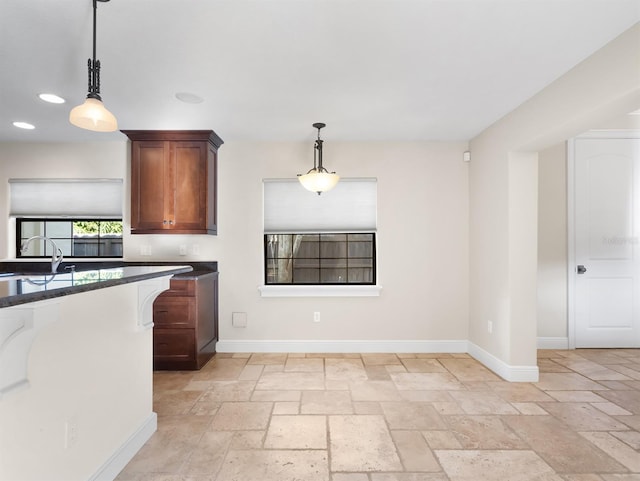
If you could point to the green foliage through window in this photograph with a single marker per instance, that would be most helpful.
(87, 227)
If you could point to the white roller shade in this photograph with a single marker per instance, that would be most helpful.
(66, 198)
(349, 207)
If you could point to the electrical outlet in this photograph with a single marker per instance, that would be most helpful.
(182, 249)
(316, 316)
(490, 327)
(70, 433)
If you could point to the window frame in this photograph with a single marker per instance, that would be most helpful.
(319, 283)
(70, 220)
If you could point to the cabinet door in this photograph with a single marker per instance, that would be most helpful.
(151, 192)
(173, 181)
(189, 165)
(172, 348)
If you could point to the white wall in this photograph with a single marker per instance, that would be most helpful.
(604, 85)
(523, 212)
(53, 160)
(422, 234)
(422, 244)
(552, 242)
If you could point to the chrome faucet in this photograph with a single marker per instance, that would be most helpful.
(56, 257)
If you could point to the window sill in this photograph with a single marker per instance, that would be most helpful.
(320, 291)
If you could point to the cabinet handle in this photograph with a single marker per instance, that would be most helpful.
(170, 222)
(164, 221)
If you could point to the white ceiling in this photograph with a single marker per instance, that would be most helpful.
(267, 69)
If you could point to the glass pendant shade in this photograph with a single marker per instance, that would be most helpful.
(316, 181)
(92, 115)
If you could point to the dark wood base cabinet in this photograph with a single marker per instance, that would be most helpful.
(185, 319)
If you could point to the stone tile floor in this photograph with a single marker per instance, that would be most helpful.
(388, 417)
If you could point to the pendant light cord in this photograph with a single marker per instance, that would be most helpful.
(95, 9)
(317, 165)
(93, 64)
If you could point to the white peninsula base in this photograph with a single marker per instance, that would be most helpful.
(86, 406)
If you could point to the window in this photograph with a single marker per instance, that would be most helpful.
(76, 237)
(315, 240)
(320, 258)
(82, 216)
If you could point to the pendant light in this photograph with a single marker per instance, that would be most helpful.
(318, 179)
(92, 114)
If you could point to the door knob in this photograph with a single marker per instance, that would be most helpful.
(582, 269)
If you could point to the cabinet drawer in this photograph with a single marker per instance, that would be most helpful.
(177, 345)
(175, 312)
(180, 287)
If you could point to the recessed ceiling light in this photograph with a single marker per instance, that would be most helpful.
(189, 98)
(24, 125)
(51, 98)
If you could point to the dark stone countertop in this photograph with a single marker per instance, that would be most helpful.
(34, 286)
(41, 266)
(194, 274)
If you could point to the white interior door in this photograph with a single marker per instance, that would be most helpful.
(607, 242)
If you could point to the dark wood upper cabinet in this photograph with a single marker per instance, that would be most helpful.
(174, 181)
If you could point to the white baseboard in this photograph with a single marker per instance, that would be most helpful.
(506, 371)
(340, 346)
(553, 343)
(118, 460)
(502, 369)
